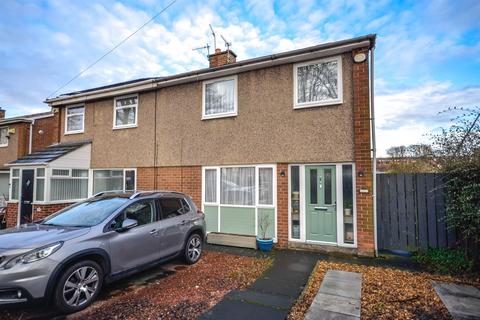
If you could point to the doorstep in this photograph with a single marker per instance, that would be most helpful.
(234, 240)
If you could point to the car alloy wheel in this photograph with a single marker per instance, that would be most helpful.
(194, 248)
(81, 286)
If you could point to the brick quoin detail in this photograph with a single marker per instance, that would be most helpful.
(40, 211)
(282, 206)
(363, 159)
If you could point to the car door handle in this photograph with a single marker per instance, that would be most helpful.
(154, 231)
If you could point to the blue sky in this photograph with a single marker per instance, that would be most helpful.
(427, 55)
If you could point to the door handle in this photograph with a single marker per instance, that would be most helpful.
(154, 231)
(321, 208)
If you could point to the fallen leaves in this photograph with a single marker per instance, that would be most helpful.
(386, 293)
(186, 293)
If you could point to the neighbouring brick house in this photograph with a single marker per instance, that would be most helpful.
(284, 139)
(22, 135)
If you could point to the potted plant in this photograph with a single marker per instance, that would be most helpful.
(264, 243)
(348, 208)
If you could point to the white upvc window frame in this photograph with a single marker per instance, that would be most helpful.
(115, 108)
(66, 131)
(312, 104)
(91, 175)
(233, 113)
(36, 178)
(256, 205)
(339, 191)
(10, 188)
(48, 180)
(4, 145)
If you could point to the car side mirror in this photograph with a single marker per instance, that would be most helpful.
(128, 224)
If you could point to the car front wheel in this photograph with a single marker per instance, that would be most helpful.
(78, 286)
(193, 248)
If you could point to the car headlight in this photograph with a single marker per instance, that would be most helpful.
(34, 255)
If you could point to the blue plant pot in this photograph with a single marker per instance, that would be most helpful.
(265, 244)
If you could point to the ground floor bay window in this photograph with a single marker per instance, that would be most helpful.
(238, 199)
(322, 204)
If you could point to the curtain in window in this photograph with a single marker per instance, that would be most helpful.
(40, 186)
(105, 180)
(68, 188)
(3, 136)
(237, 186)
(211, 185)
(219, 97)
(75, 118)
(125, 111)
(317, 82)
(265, 186)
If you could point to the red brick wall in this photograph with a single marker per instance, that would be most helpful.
(23, 132)
(49, 128)
(12, 214)
(363, 160)
(220, 58)
(40, 211)
(282, 205)
(187, 179)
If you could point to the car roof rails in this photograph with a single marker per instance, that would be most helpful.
(102, 193)
(138, 193)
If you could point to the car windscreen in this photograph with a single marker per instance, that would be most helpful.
(85, 214)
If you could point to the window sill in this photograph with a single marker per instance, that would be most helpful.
(67, 133)
(218, 116)
(318, 104)
(125, 127)
(3, 145)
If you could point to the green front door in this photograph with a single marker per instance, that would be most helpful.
(321, 209)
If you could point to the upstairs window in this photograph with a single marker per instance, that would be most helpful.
(318, 83)
(75, 119)
(125, 112)
(220, 98)
(4, 137)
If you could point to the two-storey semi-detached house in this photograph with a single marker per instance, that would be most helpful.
(284, 138)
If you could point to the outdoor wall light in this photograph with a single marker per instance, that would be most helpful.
(282, 173)
(359, 57)
(360, 173)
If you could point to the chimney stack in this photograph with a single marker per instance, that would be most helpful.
(2, 113)
(221, 58)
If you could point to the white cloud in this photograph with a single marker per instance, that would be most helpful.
(408, 116)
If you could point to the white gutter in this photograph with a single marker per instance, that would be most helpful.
(374, 146)
(191, 77)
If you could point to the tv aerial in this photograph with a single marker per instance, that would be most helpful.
(206, 46)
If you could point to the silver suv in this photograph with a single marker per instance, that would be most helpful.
(67, 257)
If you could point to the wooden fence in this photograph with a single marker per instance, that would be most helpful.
(411, 212)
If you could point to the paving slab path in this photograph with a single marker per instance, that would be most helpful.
(463, 302)
(271, 295)
(338, 297)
